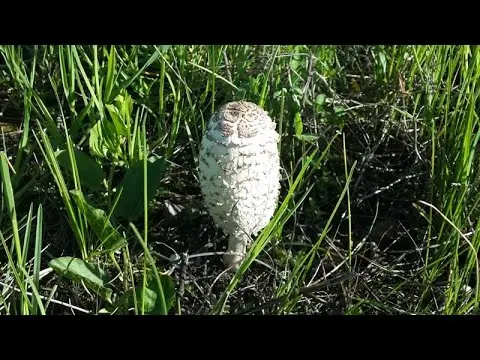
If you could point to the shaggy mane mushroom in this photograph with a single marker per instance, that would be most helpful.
(239, 171)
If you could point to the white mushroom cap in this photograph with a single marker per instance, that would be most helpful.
(239, 172)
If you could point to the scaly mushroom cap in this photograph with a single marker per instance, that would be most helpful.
(239, 172)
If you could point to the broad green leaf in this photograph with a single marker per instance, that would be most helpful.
(124, 104)
(120, 111)
(130, 203)
(107, 136)
(151, 300)
(117, 118)
(298, 124)
(339, 111)
(97, 144)
(98, 220)
(168, 291)
(320, 100)
(78, 270)
(104, 140)
(308, 138)
(90, 172)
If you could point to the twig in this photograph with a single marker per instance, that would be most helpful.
(183, 277)
(211, 253)
(227, 66)
(305, 291)
(72, 307)
(383, 188)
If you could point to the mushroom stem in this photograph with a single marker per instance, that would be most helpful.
(237, 245)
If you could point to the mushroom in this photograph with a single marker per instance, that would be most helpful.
(239, 172)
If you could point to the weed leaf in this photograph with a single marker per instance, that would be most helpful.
(110, 238)
(151, 301)
(90, 172)
(104, 140)
(78, 270)
(298, 124)
(130, 204)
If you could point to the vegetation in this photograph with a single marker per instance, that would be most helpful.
(101, 208)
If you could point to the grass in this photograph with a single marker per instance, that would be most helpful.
(101, 207)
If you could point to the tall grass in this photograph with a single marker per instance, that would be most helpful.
(107, 130)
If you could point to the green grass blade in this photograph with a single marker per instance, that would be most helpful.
(10, 202)
(37, 257)
(152, 264)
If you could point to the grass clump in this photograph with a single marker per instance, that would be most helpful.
(102, 211)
